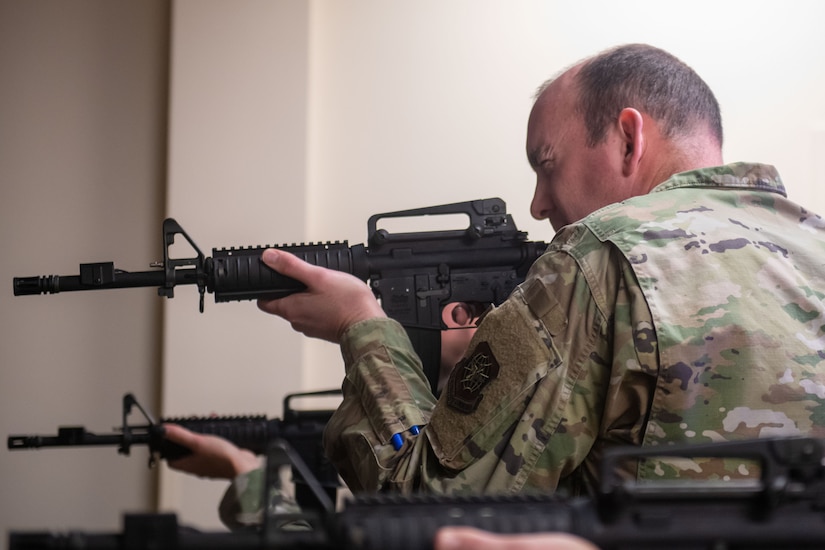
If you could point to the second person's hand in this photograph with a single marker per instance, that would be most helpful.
(211, 456)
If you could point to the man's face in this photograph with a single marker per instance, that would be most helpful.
(572, 179)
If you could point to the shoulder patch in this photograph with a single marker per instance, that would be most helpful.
(470, 376)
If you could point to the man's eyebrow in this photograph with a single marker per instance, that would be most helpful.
(535, 156)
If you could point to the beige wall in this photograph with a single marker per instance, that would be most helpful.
(82, 149)
(294, 121)
(237, 172)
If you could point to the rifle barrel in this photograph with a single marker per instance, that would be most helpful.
(71, 436)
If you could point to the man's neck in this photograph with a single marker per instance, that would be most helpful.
(692, 154)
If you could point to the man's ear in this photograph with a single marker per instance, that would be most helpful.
(631, 126)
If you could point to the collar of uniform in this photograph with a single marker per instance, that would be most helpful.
(742, 175)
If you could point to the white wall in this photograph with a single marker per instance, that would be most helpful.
(82, 148)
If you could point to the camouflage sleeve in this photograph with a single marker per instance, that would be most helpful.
(386, 399)
(532, 418)
(525, 408)
(241, 509)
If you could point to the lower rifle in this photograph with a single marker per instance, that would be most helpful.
(783, 509)
(302, 429)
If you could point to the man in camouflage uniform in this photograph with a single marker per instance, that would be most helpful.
(680, 301)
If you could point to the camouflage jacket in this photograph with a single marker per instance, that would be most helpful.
(691, 314)
(694, 313)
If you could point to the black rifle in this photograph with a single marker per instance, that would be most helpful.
(784, 509)
(413, 274)
(302, 429)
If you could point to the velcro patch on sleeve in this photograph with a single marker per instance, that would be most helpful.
(471, 375)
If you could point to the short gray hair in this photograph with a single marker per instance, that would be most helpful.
(651, 80)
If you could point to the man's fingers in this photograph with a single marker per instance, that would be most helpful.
(180, 435)
(287, 264)
(467, 538)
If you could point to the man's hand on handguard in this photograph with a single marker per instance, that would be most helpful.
(212, 457)
(466, 538)
(332, 302)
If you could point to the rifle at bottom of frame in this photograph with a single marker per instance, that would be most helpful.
(783, 509)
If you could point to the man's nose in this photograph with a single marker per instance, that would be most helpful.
(540, 205)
